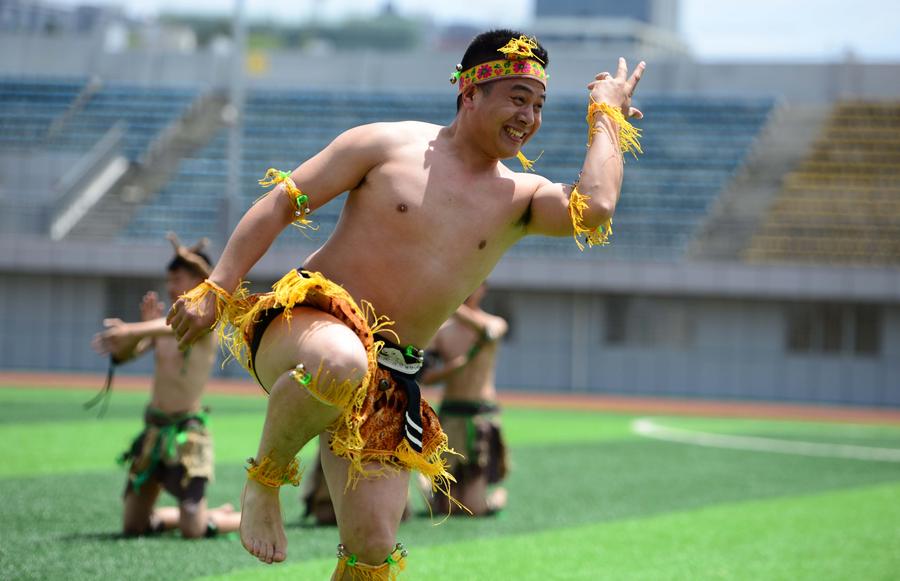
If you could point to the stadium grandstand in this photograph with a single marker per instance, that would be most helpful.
(755, 252)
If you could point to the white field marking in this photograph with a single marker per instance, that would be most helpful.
(648, 428)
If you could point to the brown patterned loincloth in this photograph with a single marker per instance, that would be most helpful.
(373, 425)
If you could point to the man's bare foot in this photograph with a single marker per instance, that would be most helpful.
(168, 515)
(262, 531)
(226, 508)
(496, 500)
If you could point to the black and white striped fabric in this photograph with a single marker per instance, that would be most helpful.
(404, 365)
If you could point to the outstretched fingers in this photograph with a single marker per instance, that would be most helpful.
(622, 71)
(636, 76)
(98, 344)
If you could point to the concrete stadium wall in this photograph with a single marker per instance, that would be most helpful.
(48, 321)
(729, 340)
(735, 349)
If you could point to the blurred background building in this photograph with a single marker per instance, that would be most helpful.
(756, 252)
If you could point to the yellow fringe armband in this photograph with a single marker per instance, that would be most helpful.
(197, 296)
(578, 203)
(266, 474)
(628, 135)
(299, 200)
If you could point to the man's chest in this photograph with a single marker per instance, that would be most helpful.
(435, 201)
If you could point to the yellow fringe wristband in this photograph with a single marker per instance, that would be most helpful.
(197, 296)
(266, 474)
(629, 135)
(599, 236)
(299, 200)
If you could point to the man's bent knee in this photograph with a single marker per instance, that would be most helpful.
(345, 361)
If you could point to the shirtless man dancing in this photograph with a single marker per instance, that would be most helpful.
(430, 212)
(467, 347)
(174, 451)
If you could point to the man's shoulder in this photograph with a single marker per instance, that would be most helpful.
(526, 181)
(398, 131)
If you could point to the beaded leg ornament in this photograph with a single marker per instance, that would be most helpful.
(267, 474)
(298, 199)
(389, 570)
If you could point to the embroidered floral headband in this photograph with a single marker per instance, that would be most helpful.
(519, 61)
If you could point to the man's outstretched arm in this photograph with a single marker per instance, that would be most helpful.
(340, 167)
(600, 182)
(125, 341)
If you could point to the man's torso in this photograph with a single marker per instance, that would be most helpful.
(420, 233)
(180, 377)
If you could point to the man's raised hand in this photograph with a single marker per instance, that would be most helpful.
(619, 89)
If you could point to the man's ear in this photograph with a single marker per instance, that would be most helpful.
(469, 96)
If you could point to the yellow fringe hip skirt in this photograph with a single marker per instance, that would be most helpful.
(371, 426)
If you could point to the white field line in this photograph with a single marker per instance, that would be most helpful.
(648, 428)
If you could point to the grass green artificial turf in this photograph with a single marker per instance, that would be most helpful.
(582, 482)
(849, 534)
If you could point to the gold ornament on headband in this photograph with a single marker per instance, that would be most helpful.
(190, 254)
(521, 48)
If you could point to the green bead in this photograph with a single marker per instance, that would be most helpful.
(302, 199)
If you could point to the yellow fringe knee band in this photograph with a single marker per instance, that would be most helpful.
(267, 474)
(599, 236)
(299, 200)
(389, 570)
(628, 135)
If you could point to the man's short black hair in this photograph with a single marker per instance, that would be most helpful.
(483, 48)
(180, 263)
